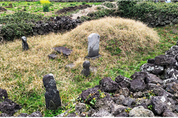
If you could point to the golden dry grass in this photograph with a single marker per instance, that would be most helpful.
(17, 66)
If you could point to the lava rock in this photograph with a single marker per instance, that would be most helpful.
(168, 113)
(52, 56)
(4, 115)
(137, 85)
(138, 94)
(63, 50)
(9, 107)
(152, 68)
(108, 85)
(23, 115)
(36, 114)
(123, 81)
(117, 109)
(164, 60)
(119, 100)
(71, 115)
(153, 79)
(140, 111)
(159, 104)
(3, 94)
(80, 107)
(123, 91)
(129, 102)
(171, 73)
(102, 113)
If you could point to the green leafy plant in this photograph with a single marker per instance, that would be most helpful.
(128, 110)
(150, 107)
(93, 101)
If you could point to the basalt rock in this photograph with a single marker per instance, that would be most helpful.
(123, 81)
(140, 111)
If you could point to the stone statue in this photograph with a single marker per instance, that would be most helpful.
(24, 43)
(86, 68)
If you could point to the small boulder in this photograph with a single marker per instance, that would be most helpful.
(36, 114)
(168, 113)
(52, 56)
(63, 50)
(152, 68)
(108, 85)
(137, 85)
(123, 91)
(129, 102)
(3, 94)
(140, 111)
(123, 81)
(80, 107)
(102, 113)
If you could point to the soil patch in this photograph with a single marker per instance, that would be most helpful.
(2, 9)
(69, 9)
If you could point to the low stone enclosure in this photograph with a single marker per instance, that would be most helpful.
(152, 92)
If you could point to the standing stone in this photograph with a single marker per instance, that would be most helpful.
(93, 45)
(86, 68)
(52, 96)
(24, 43)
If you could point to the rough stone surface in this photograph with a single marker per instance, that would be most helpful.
(63, 50)
(23, 115)
(159, 104)
(3, 94)
(129, 102)
(152, 68)
(36, 114)
(140, 112)
(137, 85)
(4, 115)
(108, 85)
(117, 109)
(24, 43)
(93, 45)
(9, 107)
(102, 113)
(119, 99)
(86, 68)
(52, 56)
(123, 91)
(168, 113)
(123, 81)
(52, 97)
(80, 107)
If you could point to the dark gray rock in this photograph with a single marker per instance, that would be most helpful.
(52, 97)
(172, 51)
(171, 73)
(153, 79)
(119, 99)
(123, 91)
(3, 94)
(151, 61)
(164, 60)
(24, 43)
(63, 50)
(140, 111)
(117, 109)
(143, 102)
(23, 115)
(108, 85)
(4, 115)
(52, 56)
(123, 81)
(87, 95)
(159, 104)
(86, 68)
(168, 113)
(137, 85)
(138, 94)
(36, 114)
(172, 87)
(152, 68)
(123, 114)
(129, 102)
(9, 107)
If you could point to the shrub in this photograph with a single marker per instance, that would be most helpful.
(46, 5)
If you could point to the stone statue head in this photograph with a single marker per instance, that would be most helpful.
(86, 64)
(24, 39)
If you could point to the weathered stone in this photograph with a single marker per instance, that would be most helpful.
(36, 114)
(89, 94)
(172, 87)
(86, 68)
(129, 102)
(9, 107)
(152, 68)
(52, 56)
(123, 114)
(137, 85)
(159, 104)
(123, 81)
(23, 115)
(71, 115)
(52, 97)
(3, 94)
(172, 51)
(151, 61)
(138, 94)
(117, 109)
(93, 45)
(63, 50)
(24, 43)
(80, 107)
(140, 111)
(102, 113)
(108, 85)
(123, 91)
(143, 102)
(139, 75)
(164, 60)
(171, 73)
(168, 113)
(4, 115)
(153, 79)
(119, 100)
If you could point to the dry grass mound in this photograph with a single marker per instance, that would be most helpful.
(22, 71)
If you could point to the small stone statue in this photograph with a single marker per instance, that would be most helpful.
(86, 68)
(24, 43)
(52, 96)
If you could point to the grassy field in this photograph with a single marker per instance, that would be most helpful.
(125, 45)
(37, 8)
